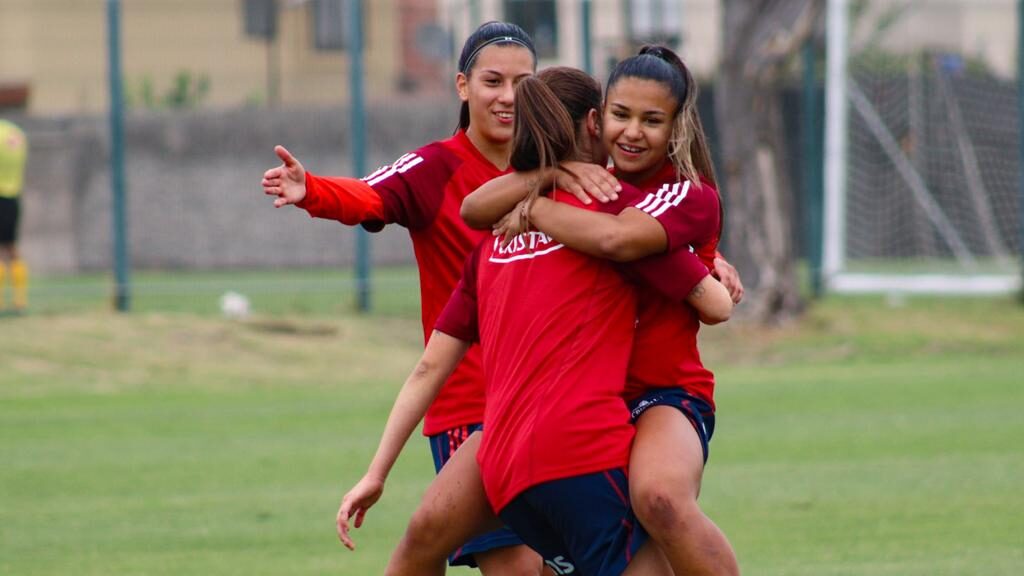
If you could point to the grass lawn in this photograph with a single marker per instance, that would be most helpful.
(862, 440)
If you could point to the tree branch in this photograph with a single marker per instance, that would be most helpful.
(781, 45)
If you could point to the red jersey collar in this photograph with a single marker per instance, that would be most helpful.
(463, 141)
(667, 173)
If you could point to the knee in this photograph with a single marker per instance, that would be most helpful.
(425, 527)
(664, 511)
(525, 563)
(416, 553)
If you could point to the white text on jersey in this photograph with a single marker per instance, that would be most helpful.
(523, 246)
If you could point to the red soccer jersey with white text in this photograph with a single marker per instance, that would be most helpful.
(556, 329)
(423, 191)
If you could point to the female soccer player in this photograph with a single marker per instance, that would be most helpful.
(422, 191)
(656, 142)
(511, 470)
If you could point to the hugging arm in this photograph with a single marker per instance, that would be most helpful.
(490, 202)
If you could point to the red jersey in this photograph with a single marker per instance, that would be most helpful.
(556, 329)
(665, 352)
(422, 191)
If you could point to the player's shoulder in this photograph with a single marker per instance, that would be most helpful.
(434, 152)
(628, 196)
(441, 153)
(431, 162)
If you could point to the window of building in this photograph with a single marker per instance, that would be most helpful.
(330, 30)
(655, 21)
(540, 20)
(260, 18)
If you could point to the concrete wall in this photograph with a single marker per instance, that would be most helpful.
(194, 195)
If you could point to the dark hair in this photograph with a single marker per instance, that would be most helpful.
(551, 109)
(492, 33)
(575, 89)
(688, 149)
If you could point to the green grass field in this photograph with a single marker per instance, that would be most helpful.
(862, 440)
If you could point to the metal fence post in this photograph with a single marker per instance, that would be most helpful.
(122, 287)
(358, 139)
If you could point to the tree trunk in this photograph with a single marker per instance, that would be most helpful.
(759, 37)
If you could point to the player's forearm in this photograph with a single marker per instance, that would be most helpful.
(625, 237)
(347, 200)
(490, 202)
(711, 300)
(442, 355)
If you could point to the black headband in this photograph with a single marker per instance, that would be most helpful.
(495, 40)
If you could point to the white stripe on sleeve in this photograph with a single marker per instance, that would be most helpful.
(680, 195)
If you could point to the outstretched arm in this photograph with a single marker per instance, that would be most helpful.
(442, 354)
(347, 200)
(490, 202)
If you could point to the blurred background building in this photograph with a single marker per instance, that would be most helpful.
(212, 85)
(234, 53)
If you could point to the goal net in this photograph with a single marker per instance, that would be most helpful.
(922, 164)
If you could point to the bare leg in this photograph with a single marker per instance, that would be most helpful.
(510, 561)
(649, 561)
(665, 471)
(454, 510)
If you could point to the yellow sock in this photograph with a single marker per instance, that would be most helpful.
(3, 286)
(19, 282)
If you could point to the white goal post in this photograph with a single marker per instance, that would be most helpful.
(920, 148)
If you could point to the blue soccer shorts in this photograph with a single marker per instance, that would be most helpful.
(700, 414)
(580, 525)
(442, 446)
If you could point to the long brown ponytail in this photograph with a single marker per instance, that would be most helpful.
(551, 111)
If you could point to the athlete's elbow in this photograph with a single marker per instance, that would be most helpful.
(473, 215)
(616, 246)
(712, 301)
(718, 308)
(716, 314)
(423, 369)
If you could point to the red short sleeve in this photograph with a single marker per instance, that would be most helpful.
(689, 212)
(673, 275)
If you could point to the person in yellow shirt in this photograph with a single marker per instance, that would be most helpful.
(13, 155)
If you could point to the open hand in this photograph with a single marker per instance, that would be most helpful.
(287, 181)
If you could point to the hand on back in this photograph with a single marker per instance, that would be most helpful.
(287, 181)
(729, 278)
(585, 180)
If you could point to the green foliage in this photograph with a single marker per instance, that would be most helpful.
(187, 90)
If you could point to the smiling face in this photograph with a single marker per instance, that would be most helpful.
(638, 119)
(488, 89)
